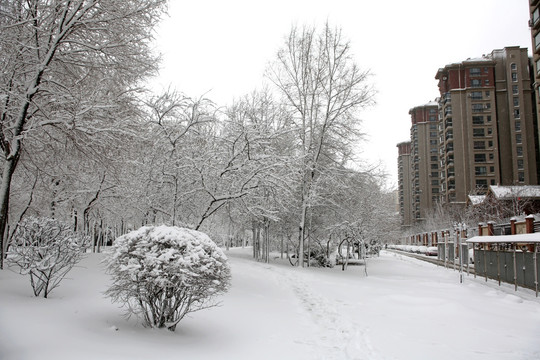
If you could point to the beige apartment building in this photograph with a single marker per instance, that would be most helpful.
(487, 126)
(424, 159)
(482, 131)
(405, 184)
(534, 24)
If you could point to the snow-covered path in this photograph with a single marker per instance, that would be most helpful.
(404, 309)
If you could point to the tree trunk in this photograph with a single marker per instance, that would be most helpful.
(301, 234)
(9, 170)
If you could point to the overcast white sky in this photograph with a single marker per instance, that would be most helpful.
(222, 48)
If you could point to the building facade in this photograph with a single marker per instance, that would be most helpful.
(405, 184)
(487, 125)
(534, 24)
(483, 130)
(424, 159)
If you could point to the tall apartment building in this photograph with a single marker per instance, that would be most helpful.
(405, 183)
(424, 159)
(534, 24)
(487, 126)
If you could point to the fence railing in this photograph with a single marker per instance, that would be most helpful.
(506, 252)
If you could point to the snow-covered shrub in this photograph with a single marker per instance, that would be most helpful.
(163, 273)
(47, 250)
(320, 258)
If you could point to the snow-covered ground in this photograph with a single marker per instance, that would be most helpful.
(405, 309)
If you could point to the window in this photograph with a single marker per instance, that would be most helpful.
(478, 132)
(479, 158)
(487, 93)
(519, 151)
(433, 134)
(516, 101)
(521, 176)
(434, 166)
(432, 118)
(434, 158)
(492, 169)
(474, 71)
(477, 108)
(490, 157)
(432, 126)
(515, 89)
(490, 131)
(476, 83)
(520, 164)
(514, 77)
(434, 182)
(432, 111)
(486, 82)
(480, 170)
(516, 114)
(479, 145)
(434, 174)
(476, 95)
(518, 125)
(481, 183)
(478, 120)
(513, 66)
(537, 40)
(489, 118)
(433, 142)
(538, 66)
(490, 144)
(518, 138)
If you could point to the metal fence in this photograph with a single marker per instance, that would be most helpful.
(514, 266)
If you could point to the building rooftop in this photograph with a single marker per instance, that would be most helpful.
(508, 192)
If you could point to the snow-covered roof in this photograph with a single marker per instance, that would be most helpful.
(519, 238)
(478, 59)
(476, 199)
(508, 192)
(432, 103)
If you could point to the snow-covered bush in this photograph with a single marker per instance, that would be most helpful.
(47, 250)
(163, 273)
(320, 258)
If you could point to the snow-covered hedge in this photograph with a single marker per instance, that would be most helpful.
(47, 250)
(163, 273)
(431, 250)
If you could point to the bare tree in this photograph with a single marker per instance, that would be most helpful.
(324, 88)
(47, 250)
(50, 52)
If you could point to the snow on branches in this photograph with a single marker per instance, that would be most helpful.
(163, 273)
(47, 250)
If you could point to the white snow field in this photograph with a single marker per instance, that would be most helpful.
(404, 309)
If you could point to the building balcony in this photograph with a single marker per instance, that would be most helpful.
(534, 23)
